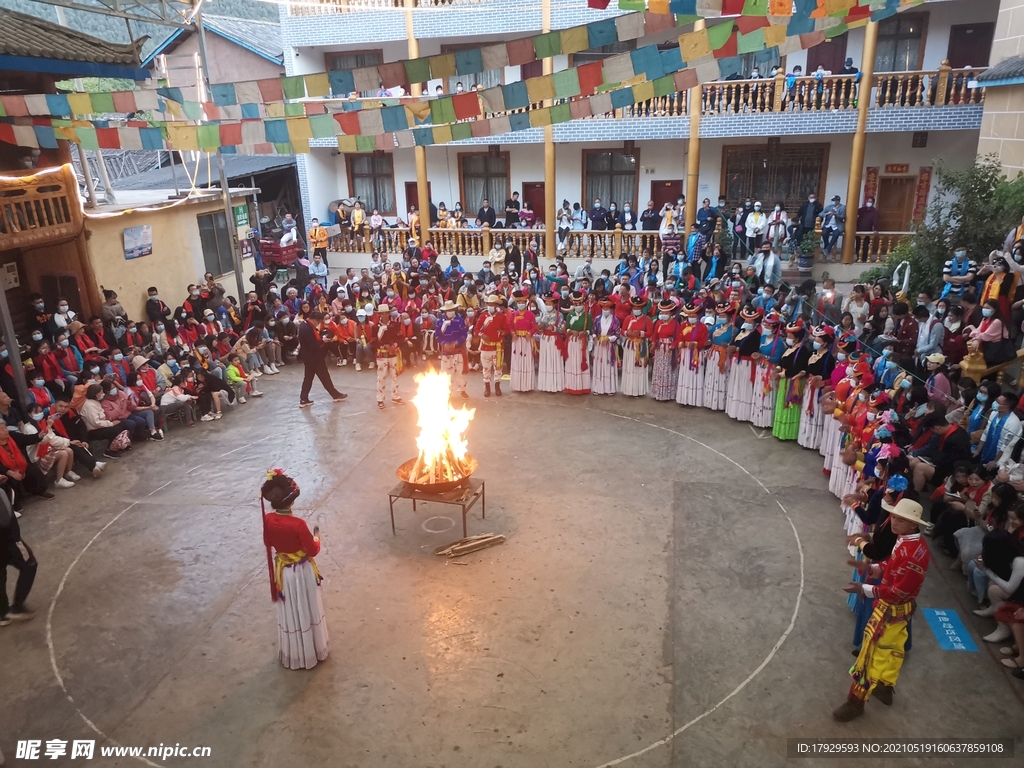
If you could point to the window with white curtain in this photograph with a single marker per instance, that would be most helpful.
(372, 179)
(610, 176)
(899, 42)
(484, 176)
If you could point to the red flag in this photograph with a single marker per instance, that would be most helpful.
(598, 4)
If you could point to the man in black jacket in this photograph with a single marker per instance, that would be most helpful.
(14, 552)
(486, 214)
(807, 216)
(312, 355)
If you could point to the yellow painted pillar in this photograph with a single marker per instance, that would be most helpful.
(549, 152)
(422, 185)
(693, 152)
(867, 68)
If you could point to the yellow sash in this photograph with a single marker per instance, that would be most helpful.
(284, 559)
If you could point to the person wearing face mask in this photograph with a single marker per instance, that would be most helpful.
(807, 216)
(342, 329)
(778, 226)
(790, 375)
(156, 310)
(771, 344)
(958, 273)
(990, 337)
(492, 328)
(665, 372)
(692, 340)
(740, 382)
(523, 325)
(833, 221)
(819, 377)
(1003, 429)
(604, 379)
(637, 329)
(954, 344)
(867, 221)
(716, 365)
(451, 338)
(42, 321)
(579, 323)
(755, 227)
(388, 342)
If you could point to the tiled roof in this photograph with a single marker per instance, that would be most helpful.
(1006, 69)
(261, 37)
(30, 36)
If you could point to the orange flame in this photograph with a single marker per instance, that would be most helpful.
(442, 438)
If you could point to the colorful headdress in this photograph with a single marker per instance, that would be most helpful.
(897, 483)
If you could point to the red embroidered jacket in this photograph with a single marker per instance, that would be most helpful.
(902, 572)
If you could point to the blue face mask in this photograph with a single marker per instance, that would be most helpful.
(995, 406)
(987, 312)
(817, 346)
(886, 352)
(905, 384)
(982, 397)
(3, 354)
(119, 357)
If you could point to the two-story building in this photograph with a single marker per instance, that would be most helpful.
(758, 137)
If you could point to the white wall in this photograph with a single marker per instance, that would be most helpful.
(324, 182)
(941, 16)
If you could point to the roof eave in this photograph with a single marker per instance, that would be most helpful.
(65, 68)
(163, 46)
(1019, 80)
(246, 46)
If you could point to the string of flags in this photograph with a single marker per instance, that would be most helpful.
(273, 115)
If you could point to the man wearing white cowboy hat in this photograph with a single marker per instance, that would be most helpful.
(389, 355)
(902, 576)
(451, 338)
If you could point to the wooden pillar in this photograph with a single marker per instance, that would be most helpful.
(549, 151)
(867, 68)
(693, 153)
(422, 185)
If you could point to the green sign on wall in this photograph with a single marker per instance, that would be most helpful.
(241, 215)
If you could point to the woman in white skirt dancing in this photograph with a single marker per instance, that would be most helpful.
(819, 373)
(604, 366)
(769, 352)
(740, 387)
(524, 326)
(716, 363)
(636, 338)
(578, 324)
(551, 361)
(294, 578)
(693, 340)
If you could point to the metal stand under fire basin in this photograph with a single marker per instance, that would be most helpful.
(464, 493)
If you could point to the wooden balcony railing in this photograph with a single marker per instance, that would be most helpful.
(325, 7)
(41, 208)
(873, 248)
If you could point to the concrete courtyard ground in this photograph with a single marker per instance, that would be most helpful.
(669, 595)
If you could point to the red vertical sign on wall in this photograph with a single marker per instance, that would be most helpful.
(870, 185)
(924, 185)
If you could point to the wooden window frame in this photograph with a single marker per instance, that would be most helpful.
(361, 52)
(349, 157)
(738, 148)
(466, 210)
(635, 152)
(924, 16)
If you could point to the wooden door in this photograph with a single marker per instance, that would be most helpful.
(412, 197)
(54, 286)
(896, 203)
(663, 192)
(533, 193)
(831, 55)
(970, 44)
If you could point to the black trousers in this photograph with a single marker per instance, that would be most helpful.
(11, 556)
(317, 368)
(84, 457)
(33, 483)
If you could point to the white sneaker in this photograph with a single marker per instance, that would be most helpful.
(273, 368)
(101, 465)
(241, 400)
(73, 477)
(206, 417)
(371, 366)
(340, 362)
(254, 393)
(266, 369)
(255, 373)
(359, 367)
(62, 483)
(344, 361)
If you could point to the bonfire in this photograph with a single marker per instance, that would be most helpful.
(443, 450)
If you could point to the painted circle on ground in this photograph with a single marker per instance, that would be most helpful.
(609, 764)
(428, 529)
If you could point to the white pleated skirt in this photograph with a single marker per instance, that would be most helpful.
(301, 623)
(716, 381)
(604, 379)
(812, 424)
(551, 368)
(634, 377)
(740, 389)
(577, 380)
(830, 436)
(762, 407)
(690, 390)
(523, 374)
